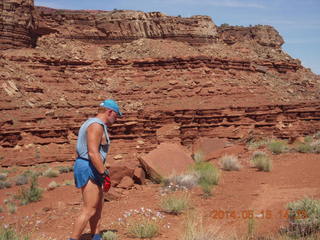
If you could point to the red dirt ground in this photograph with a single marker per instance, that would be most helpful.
(293, 177)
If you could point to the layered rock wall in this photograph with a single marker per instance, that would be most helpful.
(124, 26)
(264, 35)
(17, 24)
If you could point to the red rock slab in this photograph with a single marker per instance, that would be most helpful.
(167, 159)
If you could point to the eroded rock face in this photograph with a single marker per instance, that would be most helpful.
(170, 91)
(17, 24)
(264, 35)
(125, 26)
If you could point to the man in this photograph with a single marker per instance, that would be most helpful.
(89, 172)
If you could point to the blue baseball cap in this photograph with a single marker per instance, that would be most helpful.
(111, 104)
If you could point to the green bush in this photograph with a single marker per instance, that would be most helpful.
(277, 147)
(230, 163)
(261, 161)
(175, 204)
(10, 234)
(208, 176)
(304, 217)
(32, 194)
(143, 228)
(304, 148)
(207, 173)
(109, 235)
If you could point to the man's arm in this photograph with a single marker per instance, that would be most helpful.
(94, 135)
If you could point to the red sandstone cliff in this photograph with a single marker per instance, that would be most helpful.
(226, 81)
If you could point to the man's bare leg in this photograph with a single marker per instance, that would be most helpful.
(95, 219)
(91, 194)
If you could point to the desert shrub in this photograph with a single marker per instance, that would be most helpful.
(52, 185)
(304, 217)
(230, 163)
(175, 204)
(208, 176)
(143, 228)
(317, 135)
(255, 144)
(277, 146)
(194, 229)
(10, 234)
(308, 139)
(51, 173)
(21, 180)
(5, 185)
(31, 194)
(261, 161)
(181, 182)
(65, 169)
(198, 156)
(304, 148)
(109, 235)
(3, 176)
(68, 183)
(12, 208)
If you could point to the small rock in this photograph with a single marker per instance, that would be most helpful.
(117, 157)
(126, 183)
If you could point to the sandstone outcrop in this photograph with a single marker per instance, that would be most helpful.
(264, 35)
(17, 24)
(109, 27)
(170, 91)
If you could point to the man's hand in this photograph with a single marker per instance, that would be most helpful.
(106, 182)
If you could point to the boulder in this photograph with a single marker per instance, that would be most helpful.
(166, 160)
(204, 148)
(117, 173)
(112, 195)
(139, 176)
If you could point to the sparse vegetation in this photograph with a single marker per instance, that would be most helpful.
(5, 185)
(143, 228)
(230, 163)
(198, 156)
(181, 182)
(32, 194)
(3, 176)
(9, 234)
(175, 204)
(277, 146)
(304, 148)
(12, 208)
(255, 144)
(109, 235)
(65, 169)
(21, 180)
(68, 183)
(208, 176)
(194, 229)
(261, 161)
(51, 173)
(52, 185)
(304, 217)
